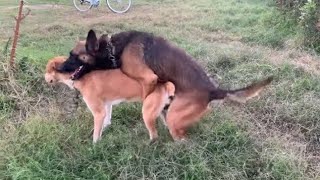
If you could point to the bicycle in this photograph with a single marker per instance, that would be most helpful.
(116, 6)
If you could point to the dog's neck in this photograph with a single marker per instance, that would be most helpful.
(65, 79)
(70, 83)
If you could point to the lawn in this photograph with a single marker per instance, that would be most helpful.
(44, 131)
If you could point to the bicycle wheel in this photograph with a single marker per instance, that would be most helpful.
(119, 6)
(82, 5)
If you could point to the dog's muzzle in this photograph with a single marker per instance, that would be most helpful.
(76, 73)
(48, 78)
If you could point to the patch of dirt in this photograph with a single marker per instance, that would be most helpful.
(44, 6)
(139, 13)
(220, 36)
(309, 63)
(284, 138)
(102, 15)
(37, 7)
(302, 59)
(278, 57)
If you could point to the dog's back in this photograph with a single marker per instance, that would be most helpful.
(165, 60)
(107, 85)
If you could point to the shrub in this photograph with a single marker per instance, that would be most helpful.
(308, 21)
(306, 15)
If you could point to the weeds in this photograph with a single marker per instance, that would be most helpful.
(309, 20)
(305, 14)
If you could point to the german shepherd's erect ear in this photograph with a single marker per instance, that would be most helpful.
(92, 43)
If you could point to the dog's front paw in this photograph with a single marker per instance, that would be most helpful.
(153, 141)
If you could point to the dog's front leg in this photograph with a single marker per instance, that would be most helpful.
(107, 118)
(98, 122)
(98, 111)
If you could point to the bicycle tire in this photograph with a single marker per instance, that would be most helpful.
(80, 9)
(113, 9)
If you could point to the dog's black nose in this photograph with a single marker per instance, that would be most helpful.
(51, 81)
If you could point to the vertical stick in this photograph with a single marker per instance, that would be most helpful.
(15, 37)
(18, 19)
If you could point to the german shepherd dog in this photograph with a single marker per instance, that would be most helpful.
(151, 59)
(102, 89)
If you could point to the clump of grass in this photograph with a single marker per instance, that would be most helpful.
(42, 148)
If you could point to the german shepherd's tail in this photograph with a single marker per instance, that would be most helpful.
(240, 95)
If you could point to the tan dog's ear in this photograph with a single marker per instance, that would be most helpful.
(55, 65)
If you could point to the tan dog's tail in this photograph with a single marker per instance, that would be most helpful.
(241, 95)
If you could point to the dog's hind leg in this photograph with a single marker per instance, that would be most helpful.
(183, 113)
(149, 117)
(151, 109)
(170, 91)
(134, 66)
(163, 117)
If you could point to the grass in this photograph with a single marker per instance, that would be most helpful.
(68, 156)
(274, 137)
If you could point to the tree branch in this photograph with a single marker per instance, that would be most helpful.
(26, 14)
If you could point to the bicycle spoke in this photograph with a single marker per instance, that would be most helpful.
(119, 6)
(82, 5)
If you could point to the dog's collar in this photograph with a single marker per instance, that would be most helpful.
(111, 53)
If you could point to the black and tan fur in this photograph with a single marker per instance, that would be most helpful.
(150, 59)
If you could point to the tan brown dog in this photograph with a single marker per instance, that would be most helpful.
(102, 89)
(150, 59)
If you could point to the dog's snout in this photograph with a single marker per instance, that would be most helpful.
(60, 68)
(68, 66)
(48, 78)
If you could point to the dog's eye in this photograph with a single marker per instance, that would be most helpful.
(84, 58)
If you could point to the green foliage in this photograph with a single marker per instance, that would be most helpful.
(306, 14)
(309, 20)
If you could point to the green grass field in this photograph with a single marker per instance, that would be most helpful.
(275, 136)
